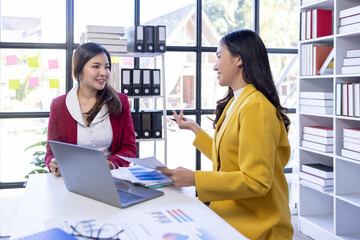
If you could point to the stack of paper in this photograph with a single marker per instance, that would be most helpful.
(143, 173)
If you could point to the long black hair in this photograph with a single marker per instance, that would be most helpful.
(256, 70)
(108, 95)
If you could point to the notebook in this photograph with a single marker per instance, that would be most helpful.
(85, 171)
(53, 234)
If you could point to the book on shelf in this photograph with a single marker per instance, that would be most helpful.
(318, 139)
(352, 53)
(317, 146)
(328, 66)
(116, 48)
(324, 182)
(91, 35)
(317, 95)
(351, 132)
(350, 20)
(350, 69)
(351, 146)
(350, 99)
(319, 131)
(351, 140)
(303, 26)
(349, 28)
(349, 11)
(104, 41)
(356, 99)
(316, 102)
(321, 23)
(345, 99)
(316, 109)
(338, 96)
(308, 25)
(316, 186)
(105, 29)
(320, 54)
(351, 61)
(350, 154)
(318, 169)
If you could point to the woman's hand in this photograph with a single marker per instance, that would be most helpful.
(54, 167)
(181, 177)
(185, 123)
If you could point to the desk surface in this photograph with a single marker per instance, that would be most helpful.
(47, 198)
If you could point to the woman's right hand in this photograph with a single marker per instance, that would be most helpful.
(185, 123)
(54, 167)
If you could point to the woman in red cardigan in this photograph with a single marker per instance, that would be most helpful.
(92, 114)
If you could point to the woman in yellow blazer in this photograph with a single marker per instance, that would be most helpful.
(250, 148)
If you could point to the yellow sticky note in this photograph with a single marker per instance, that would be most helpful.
(54, 83)
(115, 59)
(33, 62)
(14, 84)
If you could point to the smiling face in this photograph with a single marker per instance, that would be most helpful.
(228, 68)
(96, 73)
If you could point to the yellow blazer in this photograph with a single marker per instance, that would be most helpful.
(247, 186)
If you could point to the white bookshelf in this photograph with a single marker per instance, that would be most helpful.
(158, 63)
(334, 214)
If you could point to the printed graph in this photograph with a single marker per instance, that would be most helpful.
(145, 174)
(160, 217)
(179, 216)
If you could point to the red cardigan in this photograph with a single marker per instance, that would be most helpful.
(62, 127)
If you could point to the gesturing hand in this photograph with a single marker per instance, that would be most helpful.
(185, 123)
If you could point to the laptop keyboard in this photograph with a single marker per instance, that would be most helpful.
(127, 197)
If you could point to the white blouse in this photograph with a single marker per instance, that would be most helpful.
(236, 96)
(99, 135)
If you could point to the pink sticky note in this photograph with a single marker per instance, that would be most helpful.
(34, 82)
(53, 64)
(11, 60)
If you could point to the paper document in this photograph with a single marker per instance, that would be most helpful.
(141, 175)
(149, 162)
(181, 222)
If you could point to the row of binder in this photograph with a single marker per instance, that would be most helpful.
(138, 82)
(146, 38)
(147, 124)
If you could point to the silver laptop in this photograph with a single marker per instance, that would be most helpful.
(85, 171)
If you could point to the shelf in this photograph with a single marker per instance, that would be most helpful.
(347, 75)
(353, 198)
(145, 96)
(347, 118)
(317, 152)
(330, 193)
(351, 160)
(326, 4)
(317, 77)
(324, 221)
(316, 115)
(349, 35)
(325, 39)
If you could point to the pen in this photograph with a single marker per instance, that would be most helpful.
(55, 170)
(173, 119)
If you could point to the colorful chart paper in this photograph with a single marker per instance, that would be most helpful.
(53, 64)
(54, 83)
(34, 82)
(33, 62)
(11, 60)
(14, 84)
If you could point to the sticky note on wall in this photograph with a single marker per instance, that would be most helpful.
(14, 84)
(115, 59)
(11, 60)
(54, 83)
(33, 62)
(34, 82)
(53, 64)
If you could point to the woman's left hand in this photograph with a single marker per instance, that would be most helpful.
(181, 177)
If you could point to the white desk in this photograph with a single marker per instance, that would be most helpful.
(46, 197)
